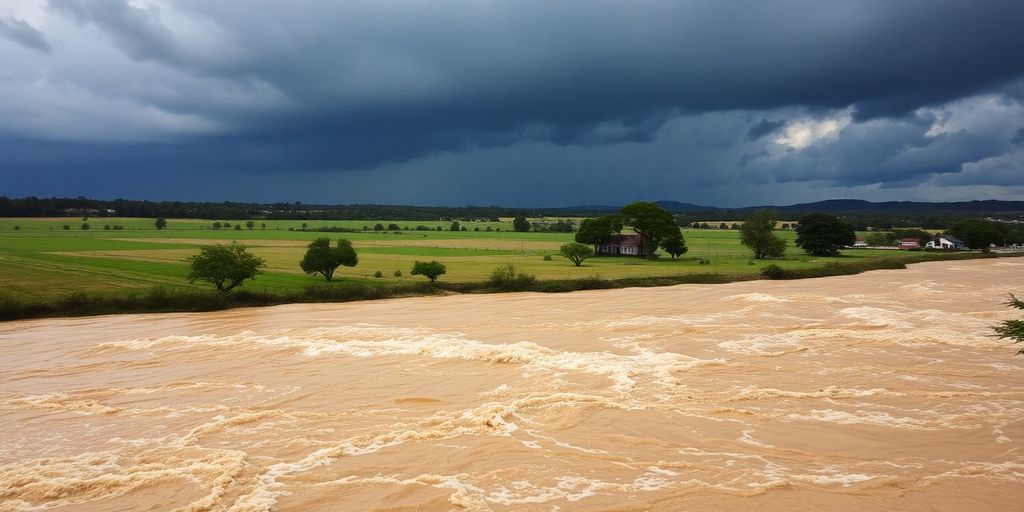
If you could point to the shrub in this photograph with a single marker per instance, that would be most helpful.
(17, 228)
(506, 277)
(378, 274)
(547, 257)
(66, 227)
(85, 226)
(398, 273)
(773, 271)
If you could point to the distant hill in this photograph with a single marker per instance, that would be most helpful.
(840, 206)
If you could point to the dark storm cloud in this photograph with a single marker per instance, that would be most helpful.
(764, 127)
(21, 32)
(138, 32)
(1018, 138)
(261, 86)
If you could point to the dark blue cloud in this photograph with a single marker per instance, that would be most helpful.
(21, 32)
(262, 88)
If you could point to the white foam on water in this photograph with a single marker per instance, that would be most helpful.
(756, 297)
(655, 367)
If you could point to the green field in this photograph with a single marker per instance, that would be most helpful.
(40, 260)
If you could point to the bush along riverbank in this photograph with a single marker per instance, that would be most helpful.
(194, 299)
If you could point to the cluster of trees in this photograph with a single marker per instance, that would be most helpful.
(982, 234)
(654, 224)
(54, 207)
(227, 266)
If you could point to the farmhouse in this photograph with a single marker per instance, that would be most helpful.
(620, 245)
(859, 242)
(909, 244)
(948, 242)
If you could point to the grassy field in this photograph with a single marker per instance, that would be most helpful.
(40, 260)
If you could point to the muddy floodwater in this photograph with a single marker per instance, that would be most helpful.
(882, 391)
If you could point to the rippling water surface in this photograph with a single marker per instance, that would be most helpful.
(873, 392)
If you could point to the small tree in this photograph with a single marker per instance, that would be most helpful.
(263, 225)
(822, 234)
(224, 266)
(877, 240)
(757, 234)
(304, 225)
(250, 224)
(66, 227)
(85, 226)
(455, 226)
(723, 226)
(1012, 329)
(394, 227)
(322, 259)
(576, 252)
(216, 225)
(429, 269)
(160, 223)
(238, 227)
(520, 224)
(378, 227)
(675, 246)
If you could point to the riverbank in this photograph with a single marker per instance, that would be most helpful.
(163, 299)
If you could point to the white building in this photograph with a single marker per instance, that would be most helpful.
(947, 242)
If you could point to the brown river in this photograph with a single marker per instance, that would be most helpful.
(882, 391)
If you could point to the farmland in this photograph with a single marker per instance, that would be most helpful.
(40, 260)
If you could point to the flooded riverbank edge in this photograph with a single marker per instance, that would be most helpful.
(190, 299)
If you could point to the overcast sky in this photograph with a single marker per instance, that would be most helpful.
(518, 102)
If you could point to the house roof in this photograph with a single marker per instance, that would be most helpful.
(908, 240)
(952, 239)
(624, 240)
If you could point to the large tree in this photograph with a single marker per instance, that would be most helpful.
(979, 233)
(758, 235)
(323, 259)
(599, 229)
(224, 266)
(822, 234)
(652, 222)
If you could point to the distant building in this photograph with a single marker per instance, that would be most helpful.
(947, 242)
(620, 245)
(859, 242)
(909, 244)
(89, 212)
